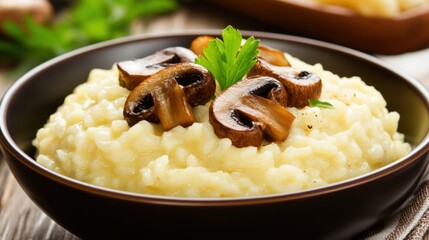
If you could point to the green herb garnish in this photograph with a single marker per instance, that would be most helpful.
(85, 22)
(320, 104)
(228, 60)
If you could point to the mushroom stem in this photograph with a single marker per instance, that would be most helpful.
(251, 109)
(172, 107)
(274, 119)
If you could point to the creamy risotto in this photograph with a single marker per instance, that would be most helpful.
(89, 140)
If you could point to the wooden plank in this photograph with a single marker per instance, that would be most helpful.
(20, 218)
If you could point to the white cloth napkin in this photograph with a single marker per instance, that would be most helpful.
(411, 221)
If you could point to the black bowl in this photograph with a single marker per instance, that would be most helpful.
(341, 210)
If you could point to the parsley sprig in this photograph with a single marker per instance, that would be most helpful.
(229, 60)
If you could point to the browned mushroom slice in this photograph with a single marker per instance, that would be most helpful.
(133, 72)
(169, 95)
(199, 43)
(273, 56)
(300, 85)
(251, 109)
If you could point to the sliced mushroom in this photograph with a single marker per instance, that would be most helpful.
(300, 85)
(133, 72)
(199, 43)
(251, 109)
(273, 56)
(169, 95)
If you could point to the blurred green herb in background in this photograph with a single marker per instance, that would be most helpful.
(85, 22)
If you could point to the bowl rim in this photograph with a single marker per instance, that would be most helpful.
(13, 149)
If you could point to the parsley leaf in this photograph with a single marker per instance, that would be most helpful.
(228, 60)
(320, 104)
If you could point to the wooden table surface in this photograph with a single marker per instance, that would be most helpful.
(20, 218)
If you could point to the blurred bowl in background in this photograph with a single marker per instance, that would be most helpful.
(404, 32)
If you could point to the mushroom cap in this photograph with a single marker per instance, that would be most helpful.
(199, 43)
(300, 85)
(133, 72)
(272, 56)
(250, 110)
(195, 86)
